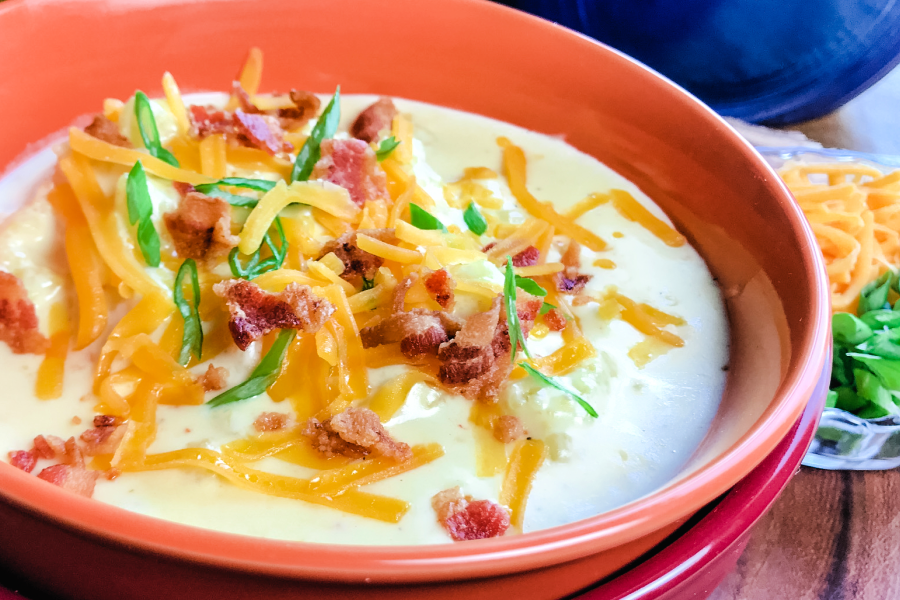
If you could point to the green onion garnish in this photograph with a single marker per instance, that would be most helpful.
(259, 185)
(530, 286)
(545, 308)
(367, 284)
(325, 127)
(512, 316)
(256, 267)
(421, 218)
(149, 132)
(140, 209)
(264, 375)
(474, 220)
(386, 147)
(192, 340)
(553, 383)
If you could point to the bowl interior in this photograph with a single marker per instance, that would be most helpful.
(483, 58)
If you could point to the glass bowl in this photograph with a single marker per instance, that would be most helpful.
(844, 441)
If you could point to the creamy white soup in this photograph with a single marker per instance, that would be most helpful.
(635, 331)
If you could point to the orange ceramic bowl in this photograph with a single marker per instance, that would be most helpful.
(62, 58)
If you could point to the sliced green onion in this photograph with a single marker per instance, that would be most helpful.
(264, 375)
(474, 219)
(260, 185)
(192, 340)
(516, 337)
(545, 308)
(368, 284)
(140, 211)
(325, 127)
(386, 147)
(422, 219)
(530, 286)
(553, 383)
(256, 267)
(143, 113)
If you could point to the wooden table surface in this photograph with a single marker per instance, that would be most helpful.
(832, 535)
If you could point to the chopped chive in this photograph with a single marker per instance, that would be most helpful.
(264, 375)
(516, 337)
(530, 286)
(386, 147)
(192, 340)
(552, 383)
(256, 267)
(325, 127)
(421, 218)
(140, 211)
(143, 112)
(474, 219)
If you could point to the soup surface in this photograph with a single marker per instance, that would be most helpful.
(635, 332)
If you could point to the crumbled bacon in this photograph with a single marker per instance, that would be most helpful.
(555, 320)
(352, 165)
(306, 106)
(73, 455)
(419, 331)
(183, 188)
(508, 428)
(23, 459)
(261, 131)
(271, 421)
(476, 363)
(358, 264)
(201, 227)
(71, 477)
(49, 446)
(356, 432)
(254, 312)
(215, 378)
(244, 128)
(527, 257)
(440, 285)
(18, 319)
(105, 437)
(373, 120)
(569, 280)
(104, 129)
(467, 519)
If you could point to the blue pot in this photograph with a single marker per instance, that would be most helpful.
(771, 61)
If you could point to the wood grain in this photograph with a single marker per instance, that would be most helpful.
(832, 535)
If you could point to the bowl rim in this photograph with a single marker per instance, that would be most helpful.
(481, 558)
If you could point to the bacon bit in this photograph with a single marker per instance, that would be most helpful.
(555, 320)
(465, 519)
(569, 280)
(201, 227)
(261, 131)
(73, 455)
(106, 421)
(440, 285)
(18, 319)
(214, 379)
(254, 312)
(112, 474)
(73, 478)
(527, 257)
(306, 106)
(105, 437)
(49, 446)
(419, 331)
(352, 164)
(373, 120)
(271, 421)
(508, 429)
(76, 420)
(183, 188)
(355, 433)
(358, 264)
(476, 363)
(241, 127)
(23, 459)
(104, 129)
